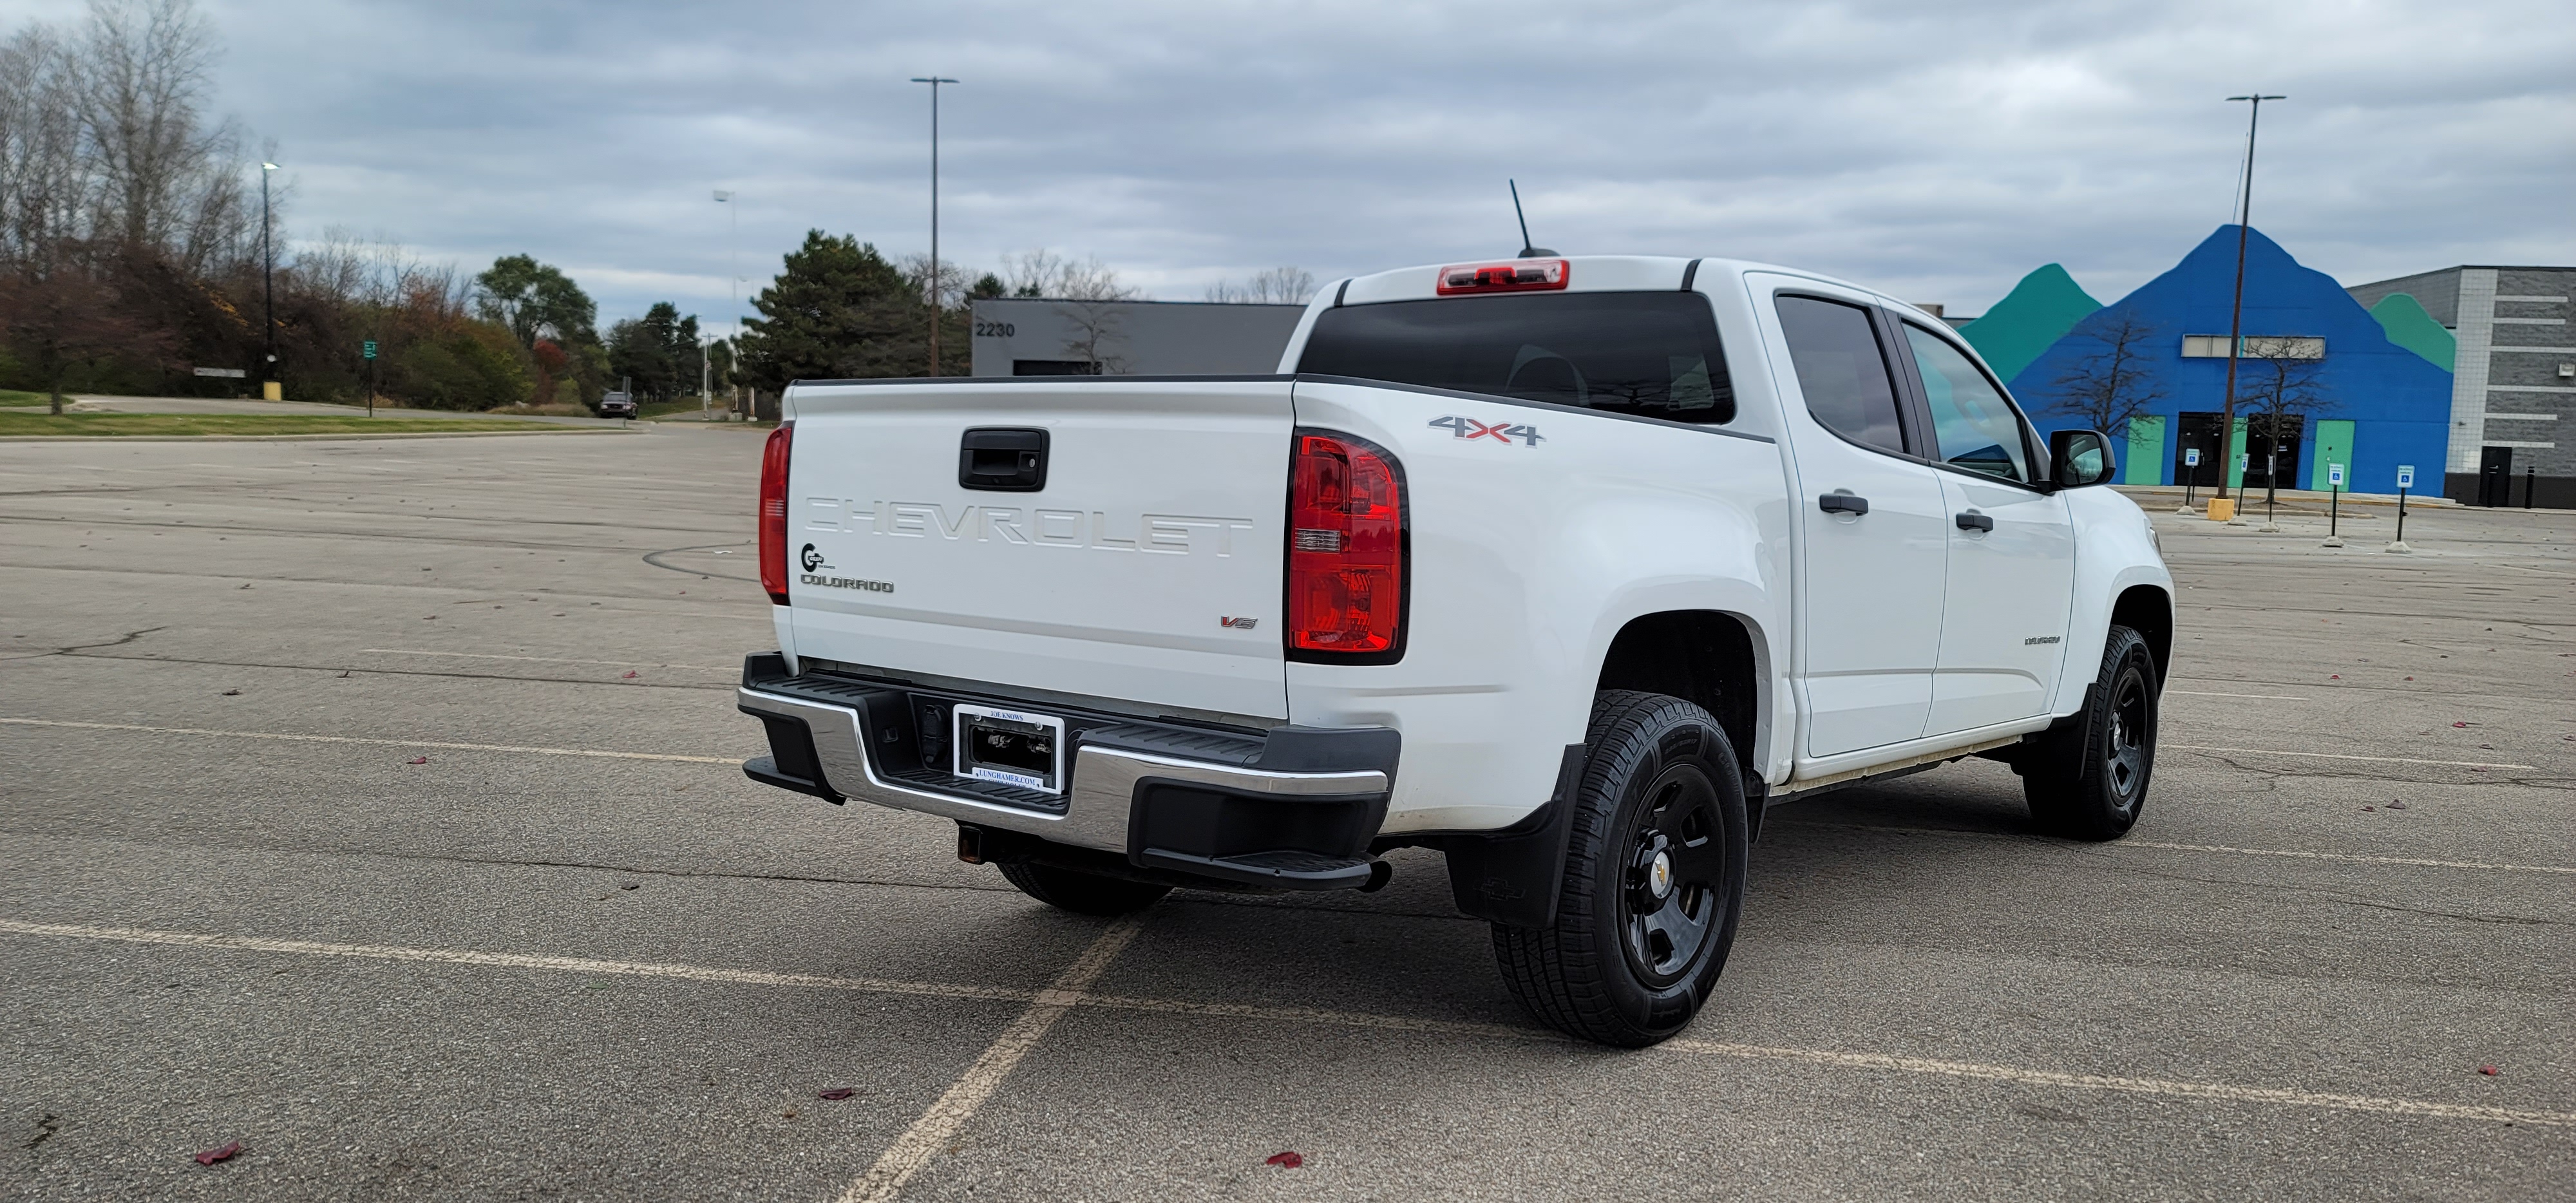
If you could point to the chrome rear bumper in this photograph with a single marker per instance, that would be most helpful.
(1100, 797)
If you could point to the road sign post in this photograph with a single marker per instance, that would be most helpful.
(2405, 481)
(2190, 475)
(369, 352)
(2334, 495)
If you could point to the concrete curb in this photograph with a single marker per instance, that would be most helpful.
(299, 438)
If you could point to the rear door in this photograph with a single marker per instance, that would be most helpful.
(1874, 554)
(1139, 557)
(2012, 546)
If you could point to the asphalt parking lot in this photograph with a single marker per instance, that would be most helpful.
(374, 805)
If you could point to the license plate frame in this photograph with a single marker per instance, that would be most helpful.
(1009, 747)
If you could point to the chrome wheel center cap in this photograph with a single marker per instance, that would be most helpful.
(1659, 875)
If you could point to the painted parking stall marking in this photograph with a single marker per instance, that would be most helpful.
(954, 1108)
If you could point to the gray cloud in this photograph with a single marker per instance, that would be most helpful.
(1938, 150)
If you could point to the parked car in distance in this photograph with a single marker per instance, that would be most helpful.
(617, 405)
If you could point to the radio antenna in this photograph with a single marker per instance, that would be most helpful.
(1527, 251)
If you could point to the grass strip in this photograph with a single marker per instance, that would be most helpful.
(18, 423)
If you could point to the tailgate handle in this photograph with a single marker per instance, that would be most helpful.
(1002, 459)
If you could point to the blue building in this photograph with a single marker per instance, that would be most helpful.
(2362, 400)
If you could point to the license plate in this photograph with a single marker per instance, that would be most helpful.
(1013, 747)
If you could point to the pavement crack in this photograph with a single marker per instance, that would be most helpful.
(45, 1129)
(119, 641)
(2320, 893)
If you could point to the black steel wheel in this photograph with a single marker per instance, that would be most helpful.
(2087, 778)
(1653, 883)
(1675, 875)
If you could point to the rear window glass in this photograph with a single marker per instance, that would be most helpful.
(1652, 354)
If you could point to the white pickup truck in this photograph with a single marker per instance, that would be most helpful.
(1564, 567)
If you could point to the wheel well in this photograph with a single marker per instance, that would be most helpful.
(1700, 656)
(2146, 610)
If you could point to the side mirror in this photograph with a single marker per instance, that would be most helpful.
(2077, 458)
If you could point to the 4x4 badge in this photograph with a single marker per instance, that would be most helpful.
(1500, 432)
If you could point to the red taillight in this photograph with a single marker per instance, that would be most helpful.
(1516, 275)
(773, 512)
(1346, 553)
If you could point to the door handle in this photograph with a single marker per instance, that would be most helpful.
(1842, 502)
(1975, 521)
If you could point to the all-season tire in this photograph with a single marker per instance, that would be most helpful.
(2087, 778)
(1083, 893)
(1634, 951)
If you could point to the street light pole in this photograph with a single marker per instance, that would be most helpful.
(2236, 315)
(733, 282)
(934, 81)
(267, 285)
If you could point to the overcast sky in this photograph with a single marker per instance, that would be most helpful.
(1936, 149)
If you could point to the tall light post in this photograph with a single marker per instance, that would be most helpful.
(733, 258)
(2236, 315)
(733, 283)
(934, 81)
(267, 288)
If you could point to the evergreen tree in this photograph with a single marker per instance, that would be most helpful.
(839, 309)
(658, 352)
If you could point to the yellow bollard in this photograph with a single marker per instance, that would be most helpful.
(2222, 508)
(270, 390)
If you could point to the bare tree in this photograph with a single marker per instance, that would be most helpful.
(1043, 273)
(45, 184)
(2279, 393)
(1277, 286)
(2118, 379)
(1099, 332)
(168, 179)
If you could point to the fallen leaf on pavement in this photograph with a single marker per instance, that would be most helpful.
(630, 675)
(836, 1093)
(2459, 724)
(232, 693)
(2396, 806)
(227, 1150)
(1285, 1161)
(2488, 1070)
(2370, 808)
(417, 760)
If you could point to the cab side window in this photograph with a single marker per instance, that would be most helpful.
(1842, 372)
(1972, 424)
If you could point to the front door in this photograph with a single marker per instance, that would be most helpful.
(2198, 431)
(1875, 554)
(2269, 457)
(2004, 612)
(2495, 476)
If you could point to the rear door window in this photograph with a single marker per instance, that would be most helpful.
(1647, 354)
(1842, 371)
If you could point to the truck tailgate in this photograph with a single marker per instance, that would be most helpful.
(1147, 568)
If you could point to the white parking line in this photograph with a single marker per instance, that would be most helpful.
(958, 1104)
(2455, 764)
(2153, 1086)
(396, 651)
(2116, 845)
(928, 1134)
(383, 743)
(2343, 856)
(2269, 697)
